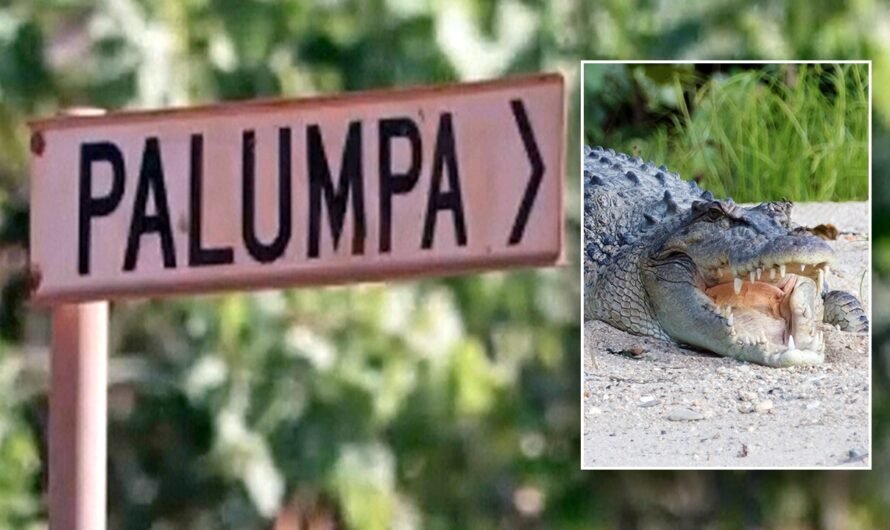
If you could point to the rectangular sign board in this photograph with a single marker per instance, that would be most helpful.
(367, 186)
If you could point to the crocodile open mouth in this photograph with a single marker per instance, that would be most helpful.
(775, 308)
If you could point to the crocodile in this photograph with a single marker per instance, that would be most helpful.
(664, 258)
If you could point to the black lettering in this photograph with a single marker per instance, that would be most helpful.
(198, 254)
(336, 197)
(151, 180)
(90, 206)
(265, 253)
(445, 155)
(392, 183)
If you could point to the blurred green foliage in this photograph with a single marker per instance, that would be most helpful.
(357, 394)
(412, 405)
(19, 459)
(753, 132)
(435, 404)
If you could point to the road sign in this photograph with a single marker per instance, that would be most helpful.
(367, 186)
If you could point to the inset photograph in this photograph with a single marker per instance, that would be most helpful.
(726, 265)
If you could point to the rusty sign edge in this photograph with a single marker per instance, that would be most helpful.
(302, 280)
(293, 103)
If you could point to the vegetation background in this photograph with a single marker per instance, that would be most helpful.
(753, 132)
(437, 404)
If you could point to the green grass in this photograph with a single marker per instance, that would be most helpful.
(800, 132)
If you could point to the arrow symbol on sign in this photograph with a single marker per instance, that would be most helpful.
(534, 181)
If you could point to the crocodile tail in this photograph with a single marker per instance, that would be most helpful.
(845, 310)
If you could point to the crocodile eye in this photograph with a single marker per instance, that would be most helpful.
(709, 211)
(714, 214)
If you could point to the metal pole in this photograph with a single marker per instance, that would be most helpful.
(78, 399)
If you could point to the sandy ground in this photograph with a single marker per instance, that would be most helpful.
(676, 408)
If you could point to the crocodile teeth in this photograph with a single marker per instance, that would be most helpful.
(772, 273)
(751, 276)
(730, 320)
(791, 345)
(719, 271)
(782, 271)
(802, 267)
(821, 281)
(826, 269)
(737, 285)
(759, 272)
(762, 339)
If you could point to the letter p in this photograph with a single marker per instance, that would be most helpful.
(90, 206)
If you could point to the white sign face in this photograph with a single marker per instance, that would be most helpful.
(369, 186)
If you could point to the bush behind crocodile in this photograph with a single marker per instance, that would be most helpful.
(666, 259)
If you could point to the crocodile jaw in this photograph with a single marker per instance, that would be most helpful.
(781, 333)
(769, 322)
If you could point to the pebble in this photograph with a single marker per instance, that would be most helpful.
(684, 414)
(747, 396)
(764, 406)
(857, 453)
(746, 407)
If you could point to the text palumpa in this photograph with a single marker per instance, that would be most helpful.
(443, 195)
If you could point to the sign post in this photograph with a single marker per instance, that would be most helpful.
(78, 396)
(270, 194)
